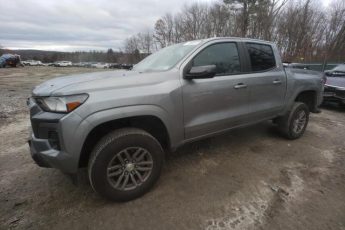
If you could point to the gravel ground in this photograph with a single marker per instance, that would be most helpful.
(250, 178)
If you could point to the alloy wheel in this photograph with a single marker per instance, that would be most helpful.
(129, 168)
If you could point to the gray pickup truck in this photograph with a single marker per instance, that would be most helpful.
(120, 124)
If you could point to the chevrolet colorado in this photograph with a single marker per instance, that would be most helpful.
(119, 124)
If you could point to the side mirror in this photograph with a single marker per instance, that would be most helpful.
(201, 72)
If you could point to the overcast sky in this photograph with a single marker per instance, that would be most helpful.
(69, 25)
(78, 24)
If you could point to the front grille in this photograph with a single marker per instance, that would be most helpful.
(329, 89)
(340, 93)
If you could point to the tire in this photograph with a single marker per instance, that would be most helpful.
(108, 162)
(293, 124)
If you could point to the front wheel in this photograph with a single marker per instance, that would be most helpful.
(125, 164)
(293, 124)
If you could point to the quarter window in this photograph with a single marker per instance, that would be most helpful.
(261, 56)
(223, 55)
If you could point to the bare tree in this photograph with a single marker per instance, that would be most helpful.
(194, 18)
(335, 31)
(164, 30)
(219, 20)
(302, 29)
(132, 49)
(145, 42)
(245, 9)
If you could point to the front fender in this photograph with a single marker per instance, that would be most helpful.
(100, 117)
(103, 116)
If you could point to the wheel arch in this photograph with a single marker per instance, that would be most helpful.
(309, 97)
(106, 121)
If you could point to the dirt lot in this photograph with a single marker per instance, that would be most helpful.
(249, 178)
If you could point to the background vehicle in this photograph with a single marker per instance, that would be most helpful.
(62, 64)
(338, 71)
(115, 66)
(80, 64)
(100, 65)
(126, 66)
(119, 127)
(296, 65)
(11, 60)
(89, 64)
(32, 63)
(335, 85)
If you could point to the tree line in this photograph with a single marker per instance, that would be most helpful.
(110, 56)
(304, 31)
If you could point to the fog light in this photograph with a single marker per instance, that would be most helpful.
(53, 139)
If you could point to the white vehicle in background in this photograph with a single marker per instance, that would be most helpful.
(63, 64)
(80, 64)
(32, 63)
(100, 65)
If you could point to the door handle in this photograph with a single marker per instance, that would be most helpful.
(277, 82)
(240, 85)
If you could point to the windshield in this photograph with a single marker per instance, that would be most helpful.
(340, 68)
(166, 58)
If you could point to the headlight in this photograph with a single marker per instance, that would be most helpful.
(63, 104)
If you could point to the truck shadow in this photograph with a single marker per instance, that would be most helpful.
(231, 144)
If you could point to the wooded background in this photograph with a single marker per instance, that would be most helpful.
(304, 30)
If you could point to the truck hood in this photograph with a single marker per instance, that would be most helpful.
(86, 82)
(336, 81)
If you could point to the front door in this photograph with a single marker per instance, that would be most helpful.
(215, 104)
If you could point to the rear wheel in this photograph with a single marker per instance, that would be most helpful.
(294, 123)
(125, 164)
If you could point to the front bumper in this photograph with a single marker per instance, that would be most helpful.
(334, 94)
(46, 156)
(53, 140)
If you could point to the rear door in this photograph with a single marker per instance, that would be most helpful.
(267, 80)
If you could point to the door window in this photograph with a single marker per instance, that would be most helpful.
(223, 55)
(261, 56)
